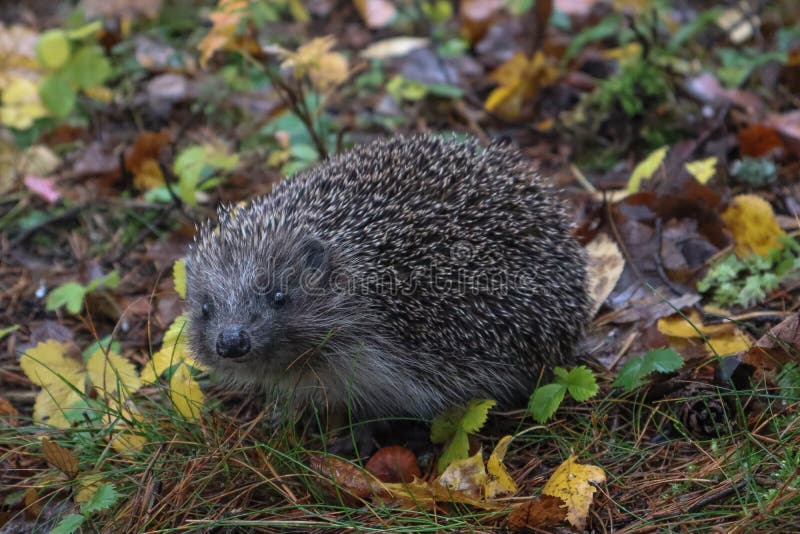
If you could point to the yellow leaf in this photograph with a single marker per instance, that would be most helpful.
(331, 70)
(730, 343)
(690, 327)
(99, 93)
(753, 224)
(179, 277)
(55, 402)
(606, 264)
(646, 168)
(572, 482)
(87, 486)
(185, 393)
(721, 339)
(111, 373)
(703, 169)
(624, 54)
(520, 81)
(46, 364)
(225, 23)
(467, 476)
(53, 48)
(21, 104)
(148, 176)
(499, 482)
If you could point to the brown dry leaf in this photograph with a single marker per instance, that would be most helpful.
(477, 16)
(574, 484)
(606, 264)
(753, 224)
(376, 13)
(60, 457)
(394, 464)
(520, 81)
(778, 346)
(543, 512)
(8, 413)
(759, 140)
(345, 475)
(142, 161)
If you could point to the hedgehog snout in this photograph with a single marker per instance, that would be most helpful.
(233, 342)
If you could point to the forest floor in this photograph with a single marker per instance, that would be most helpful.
(671, 130)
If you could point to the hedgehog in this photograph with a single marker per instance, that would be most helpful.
(398, 279)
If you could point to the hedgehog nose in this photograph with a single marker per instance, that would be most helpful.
(233, 342)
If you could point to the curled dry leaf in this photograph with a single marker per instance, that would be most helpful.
(394, 464)
(605, 267)
(342, 475)
(775, 348)
(60, 457)
(543, 512)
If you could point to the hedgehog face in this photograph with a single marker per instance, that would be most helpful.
(258, 317)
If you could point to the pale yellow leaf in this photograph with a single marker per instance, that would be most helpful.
(185, 393)
(111, 373)
(646, 168)
(55, 402)
(753, 224)
(606, 264)
(467, 476)
(703, 169)
(690, 327)
(330, 71)
(498, 483)
(179, 277)
(573, 483)
(394, 47)
(47, 364)
(87, 486)
(21, 104)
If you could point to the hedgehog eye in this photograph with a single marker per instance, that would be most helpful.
(206, 309)
(279, 299)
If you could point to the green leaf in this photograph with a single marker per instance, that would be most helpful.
(304, 152)
(663, 360)
(52, 49)
(88, 67)
(189, 167)
(476, 414)
(580, 382)
(545, 401)
(458, 449)
(70, 295)
(104, 498)
(111, 281)
(608, 27)
(5, 331)
(57, 95)
(68, 524)
(85, 31)
(445, 425)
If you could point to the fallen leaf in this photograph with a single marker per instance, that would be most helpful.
(753, 224)
(393, 464)
(394, 47)
(703, 170)
(720, 339)
(21, 104)
(47, 365)
(44, 187)
(466, 476)
(185, 393)
(541, 513)
(646, 168)
(521, 80)
(60, 457)
(498, 482)
(112, 374)
(574, 484)
(775, 348)
(759, 140)
(606, 264)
